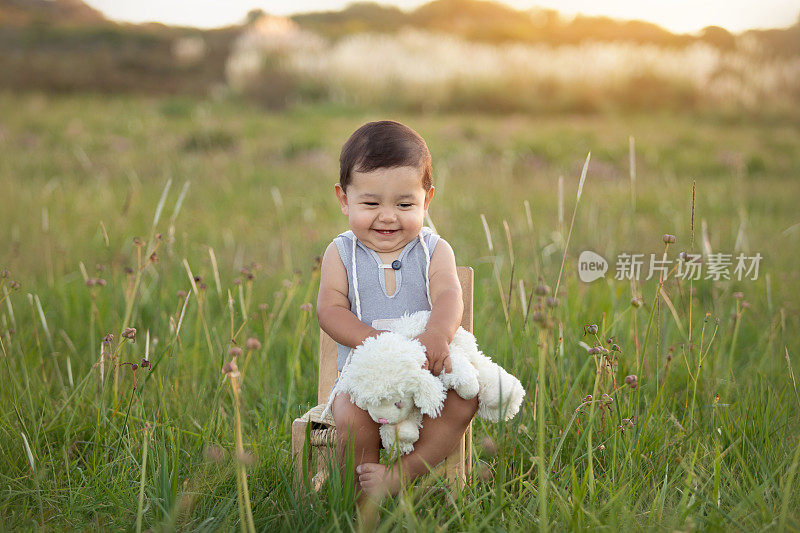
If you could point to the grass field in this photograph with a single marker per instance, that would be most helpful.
(243, 199)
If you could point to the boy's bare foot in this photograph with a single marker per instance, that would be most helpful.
(377, 480)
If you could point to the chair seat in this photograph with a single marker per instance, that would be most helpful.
(323, 430)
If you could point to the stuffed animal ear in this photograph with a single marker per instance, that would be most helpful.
(429, 394)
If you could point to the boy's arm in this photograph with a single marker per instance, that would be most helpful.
(333, 305)
(447, 308)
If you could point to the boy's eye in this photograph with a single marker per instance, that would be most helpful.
(406, 205)
(370, 203)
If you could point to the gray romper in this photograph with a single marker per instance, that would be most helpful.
(371, 302)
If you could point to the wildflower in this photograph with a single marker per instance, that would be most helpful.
(138, 242)
(214, 453)
(552, 302)
(237, 281)
(181, 294)
(317, 263)
(154, 258)
(587, 398)
(636, 301)
(14, 285)
(594, 350)
(129, 333)
(615, 348)
(109, 338)
(252, 344)
(606, 399)
(489, 445)
(198, 279)
(538, 317)
(234, 351)
(159, 237)
(90, 282)
(542, 290)
(202, 286)
(128, 270)
(631, 381)
(683, 256)
(134, 366)
(100, 282)
(590, 329)
(246, 458)
(230, 368)
(145, 363)
(262, 307)
(286, 283)
(668, 239)
(4, 273)
(601, 448)
(745, 305)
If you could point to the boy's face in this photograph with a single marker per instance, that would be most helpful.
(386, 206)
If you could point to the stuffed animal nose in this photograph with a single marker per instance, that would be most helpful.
(383, 421)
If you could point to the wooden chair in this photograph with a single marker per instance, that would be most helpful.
(310, 461)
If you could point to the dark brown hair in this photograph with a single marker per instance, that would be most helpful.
(384, 144)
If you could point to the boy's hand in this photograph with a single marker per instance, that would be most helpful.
(437, 352)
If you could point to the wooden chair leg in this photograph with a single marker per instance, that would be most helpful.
(459, 463)
(302, 462)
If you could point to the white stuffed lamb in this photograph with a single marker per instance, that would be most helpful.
(385, 378)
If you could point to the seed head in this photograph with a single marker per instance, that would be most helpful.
(202, 286)
(594, 350)
(134, 366)
(4, 273)
(234, 351)
(237, 281)
(683, 256)
(230, 367)
(738, 295)
(668, 239)
(262, 307)
(198, 279)
(14, 285)
(489, 445)
(138, 242)
(631, 380)
(90, 282)
(252, 344)
(607, 399)
(181, 294)
(552, 302)
(154, 258)
(616, 348)
(538, 317)
(601, 448)
(128, 270)
(587, 398)
(129, 333)
(592, 329)
(542, 290)
(636, 302)
(145, 363)
(109, 338)
(215, 454)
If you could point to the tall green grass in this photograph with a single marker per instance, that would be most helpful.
(707, 439)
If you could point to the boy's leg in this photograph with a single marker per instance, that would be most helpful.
(354, 425)
(437, 439)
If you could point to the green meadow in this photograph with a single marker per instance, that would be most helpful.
(198, 223)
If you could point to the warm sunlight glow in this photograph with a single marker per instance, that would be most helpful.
(681, 16)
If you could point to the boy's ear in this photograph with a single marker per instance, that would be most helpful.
(340, 194)
(429, 197)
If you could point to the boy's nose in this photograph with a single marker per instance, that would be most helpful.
(387, 214)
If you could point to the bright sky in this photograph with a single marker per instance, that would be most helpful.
(681, 16)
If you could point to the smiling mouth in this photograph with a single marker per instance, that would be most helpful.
(386, 232)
